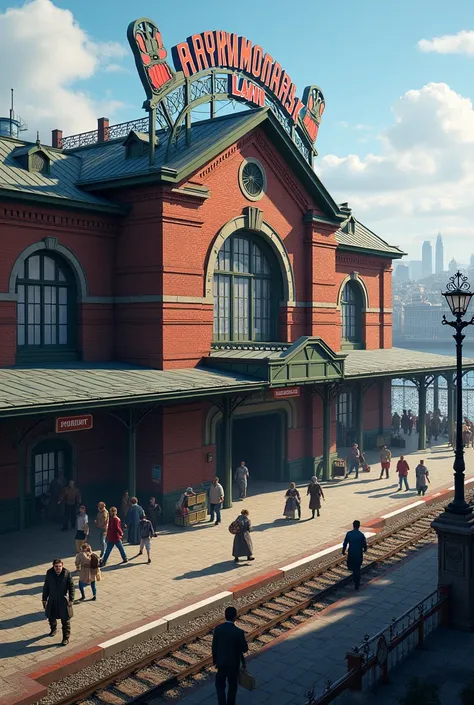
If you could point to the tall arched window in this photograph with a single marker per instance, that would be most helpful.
(351, 308)
(46, 307)
(246, 291)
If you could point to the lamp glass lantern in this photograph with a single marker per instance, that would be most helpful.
(458, 295)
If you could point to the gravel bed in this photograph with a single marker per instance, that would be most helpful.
(74, 683)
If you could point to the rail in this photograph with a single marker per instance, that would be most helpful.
(369, 663)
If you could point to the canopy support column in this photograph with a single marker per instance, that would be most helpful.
(227, 406)
(435, 394)
(327, 394)
(422, 383)
(451, 406)
(360, 417)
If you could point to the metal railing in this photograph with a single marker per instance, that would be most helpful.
(369, 663)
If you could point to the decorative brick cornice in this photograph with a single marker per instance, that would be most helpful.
(224, 157)
(281, 171)
(37, 218)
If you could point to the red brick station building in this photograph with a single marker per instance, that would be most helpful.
(176, 300)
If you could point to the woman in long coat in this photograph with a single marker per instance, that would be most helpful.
(422, 477)
(242, 541)
(134, 515)
(315, 492)
(292, 503)
(87, 574)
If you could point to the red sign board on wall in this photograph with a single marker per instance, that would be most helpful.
(65, 424)
(286, 392)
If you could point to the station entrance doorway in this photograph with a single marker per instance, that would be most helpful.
(260, 440)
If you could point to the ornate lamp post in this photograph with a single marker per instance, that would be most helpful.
(458, 296)
(455, 525)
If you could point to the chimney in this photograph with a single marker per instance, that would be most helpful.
(57, 138)
(102, 129)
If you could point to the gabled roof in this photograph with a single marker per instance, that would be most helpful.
(60, 185)
(104, 165)
(355, 236)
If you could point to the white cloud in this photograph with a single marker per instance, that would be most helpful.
(116, 68)
(421, 182)
(43, 54)
(460, 43)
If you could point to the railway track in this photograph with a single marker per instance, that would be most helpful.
(186, 662)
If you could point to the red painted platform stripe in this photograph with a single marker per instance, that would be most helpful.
(70, 664)
(259, 581)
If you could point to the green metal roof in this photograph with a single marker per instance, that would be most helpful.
(354, 235)
(27, 391)
(59, 185)
(393, 362)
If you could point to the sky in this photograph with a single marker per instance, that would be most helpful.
(397, 136)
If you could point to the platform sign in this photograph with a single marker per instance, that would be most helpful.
(216, 65)
(65, 424)
(286, 392)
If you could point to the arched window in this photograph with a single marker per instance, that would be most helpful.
(46, 307)
(246, 291)
(351, 308)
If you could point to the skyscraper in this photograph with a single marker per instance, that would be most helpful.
(439, 256)
(426, 259)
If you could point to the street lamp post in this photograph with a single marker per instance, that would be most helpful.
(458, 296)
(455, 525)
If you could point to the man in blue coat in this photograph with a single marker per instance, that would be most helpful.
(228, 647)
(357, 543)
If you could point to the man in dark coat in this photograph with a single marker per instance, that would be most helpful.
(58, 596)
(357, 543)
(228, 647)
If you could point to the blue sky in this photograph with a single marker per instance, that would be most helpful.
(364, 55)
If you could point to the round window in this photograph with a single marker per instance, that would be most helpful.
(252, 179)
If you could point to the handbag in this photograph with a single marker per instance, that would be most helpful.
(234, 527)
(246, 680)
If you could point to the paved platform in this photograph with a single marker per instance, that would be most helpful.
(311, 655)
(187, 565)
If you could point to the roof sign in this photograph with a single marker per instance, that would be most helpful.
(216, 65)
(64, 424)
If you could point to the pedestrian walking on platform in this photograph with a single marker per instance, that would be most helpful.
(125, 504)
(114, 537)
(385, 458)
(58, 596)
(216, 498)
(102, 523)
(134, 515)
(146, 533)
(152, 512)
(241, 528)
(71, 497)
(56, 488)
(357, 544)
(87, 563)
(292, 503)
(82, 528)
(405, 422)
(402, 470)
(315, 492)
(241, 478)
(228, 648)
(422, 478)
(353, 460)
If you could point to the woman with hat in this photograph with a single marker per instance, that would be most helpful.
(315, 492)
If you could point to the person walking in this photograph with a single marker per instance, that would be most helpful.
(216, 498)
(125, 504)
(132, 520)
(292, 503)
(385, 458)
(152, 512)
(114, 537)
(241, 528)
(102, 523)
(82, 528)
(353, 460)
(405, 422)
(56, 488)
(241, 478)
(87, 563)
(422, 478)
(357, 544)
(228, 648)
(411, 422)
(57, 598)
(146, 533)
(315, 492)
(402, 470)
(71, 498)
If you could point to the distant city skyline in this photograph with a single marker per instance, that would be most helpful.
(426, 259)
(439, 255)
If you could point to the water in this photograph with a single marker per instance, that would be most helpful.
(405, 394)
